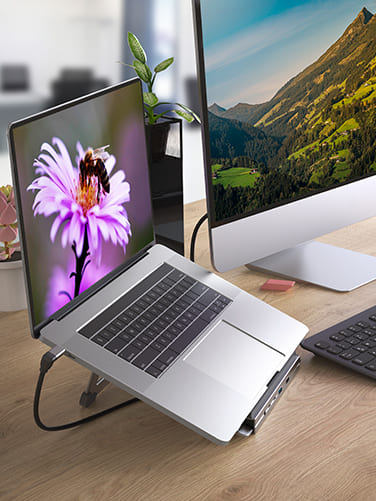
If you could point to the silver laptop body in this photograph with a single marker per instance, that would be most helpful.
(87, 240)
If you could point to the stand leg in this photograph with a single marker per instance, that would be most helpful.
(96, 385)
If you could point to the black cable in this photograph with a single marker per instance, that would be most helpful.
(47, 361)
(194, 235)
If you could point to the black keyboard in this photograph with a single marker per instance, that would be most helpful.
(153, 323)
(351, 343)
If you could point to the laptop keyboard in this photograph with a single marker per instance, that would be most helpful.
(153, 323)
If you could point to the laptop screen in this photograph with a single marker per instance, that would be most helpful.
(81, 175)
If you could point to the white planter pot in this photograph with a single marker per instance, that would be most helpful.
(12, 286)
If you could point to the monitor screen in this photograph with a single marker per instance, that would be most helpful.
(291, 94)
(81, 174)
(288, 94)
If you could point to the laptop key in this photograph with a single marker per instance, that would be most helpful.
(106, 334)
(208, 315)
(99, 340)
(208, 297)
(116, 345)
(187, 336)
(145, 358)
(167, 357)
(153, 371)
(159, 365)
(129, 353)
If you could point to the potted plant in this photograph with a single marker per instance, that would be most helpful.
(164, 139)
(13, 295)
(156, 125)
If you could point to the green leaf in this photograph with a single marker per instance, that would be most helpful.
(136, 48)
(164, 65)
(150, 99)
(142, 70)
(189, 118)
(189, 111)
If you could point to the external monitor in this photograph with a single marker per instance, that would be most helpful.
(288, 103)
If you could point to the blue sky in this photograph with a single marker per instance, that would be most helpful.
(253, 47)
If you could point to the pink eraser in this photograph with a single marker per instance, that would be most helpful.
(278, 285)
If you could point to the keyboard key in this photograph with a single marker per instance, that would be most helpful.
(362, 359)
(167, 357)
(199, 288)
(362, 324)
(126, 337)
(131, 331)
(323, 345)
(344, 345)
(360, 348)
(336, 337)
(129, 353)
(145, 339)
(159, 365)
(157, 346)
(106, 334)
(138, 344)
(188, 335)
(153, 371)
(145, 358)
(164, 341)
(371, 366)
(208, 297)
(361, 336)
(369, 343)
(98, 339)
(335, 350)
(353, 340)
(348, 355)
(354, 328)
(116, 345)
(175, 275)
(208, 315)
(112, 328)
(119, 323)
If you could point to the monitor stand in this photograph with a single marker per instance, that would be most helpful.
(321, 264)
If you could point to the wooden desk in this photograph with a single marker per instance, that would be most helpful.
(318, 443)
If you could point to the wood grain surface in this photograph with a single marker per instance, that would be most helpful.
(317, 444)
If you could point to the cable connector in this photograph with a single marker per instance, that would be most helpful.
(45, 364)
(50, 357)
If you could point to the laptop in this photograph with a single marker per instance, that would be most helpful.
(134, 312)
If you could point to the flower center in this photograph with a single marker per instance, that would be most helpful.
(86, 195)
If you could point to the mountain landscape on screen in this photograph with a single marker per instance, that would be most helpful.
(316, 132)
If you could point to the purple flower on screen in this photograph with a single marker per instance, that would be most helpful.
(78, 206)
(86, 198)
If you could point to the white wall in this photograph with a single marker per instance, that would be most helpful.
(48, 36)
(194, 187)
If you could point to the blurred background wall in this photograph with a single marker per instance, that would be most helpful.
(54, 51)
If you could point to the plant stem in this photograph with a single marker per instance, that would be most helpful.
(80, 264)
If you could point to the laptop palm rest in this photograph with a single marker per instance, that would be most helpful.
(235, 359)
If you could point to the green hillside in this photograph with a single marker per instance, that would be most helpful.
(316, 132)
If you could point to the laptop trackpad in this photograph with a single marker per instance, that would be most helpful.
(235, 359)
